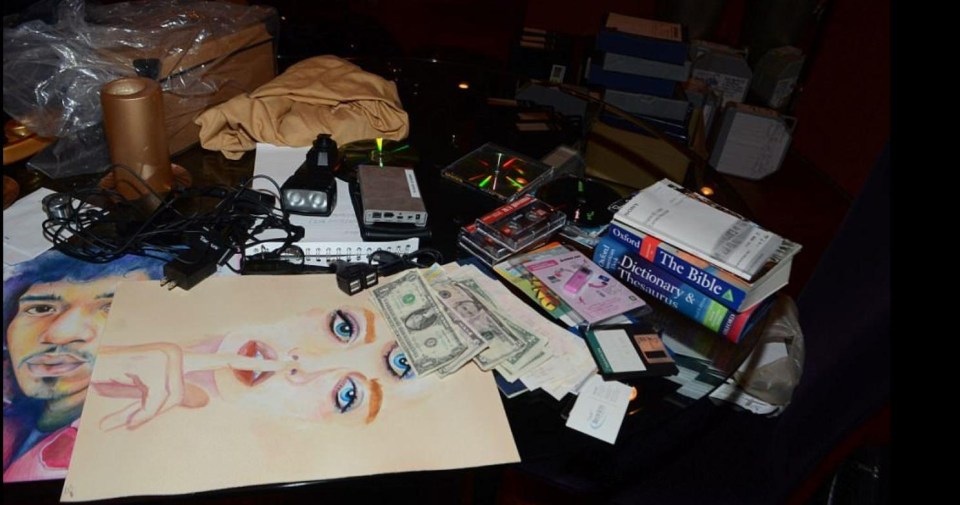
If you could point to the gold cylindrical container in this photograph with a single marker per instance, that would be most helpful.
(133, 123)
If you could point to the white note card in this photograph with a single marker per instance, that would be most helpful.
(600, 408)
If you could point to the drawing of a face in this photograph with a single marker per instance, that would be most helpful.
(52, 339)
(337, 367)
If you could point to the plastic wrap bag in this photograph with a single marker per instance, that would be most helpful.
(765, 382)
(52, 73)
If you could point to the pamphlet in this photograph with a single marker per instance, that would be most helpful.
(593, 293)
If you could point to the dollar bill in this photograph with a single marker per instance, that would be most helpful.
(475, 345)
(479, 317)
(436, 278)
(423, 330)
(532, 348)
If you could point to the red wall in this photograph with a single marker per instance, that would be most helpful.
(582, 17)
(843, 111)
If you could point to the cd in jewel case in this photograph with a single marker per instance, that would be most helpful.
(498, 172)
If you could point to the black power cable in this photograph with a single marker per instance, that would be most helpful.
(99, 225)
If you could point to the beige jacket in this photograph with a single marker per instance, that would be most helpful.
(324, 94)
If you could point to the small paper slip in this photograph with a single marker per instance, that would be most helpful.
(23, 228)
(600, 408)
(593, 293)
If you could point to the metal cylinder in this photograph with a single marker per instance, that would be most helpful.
(134, 125)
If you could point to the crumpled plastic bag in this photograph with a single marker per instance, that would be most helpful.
(765, 382)
(52, 73)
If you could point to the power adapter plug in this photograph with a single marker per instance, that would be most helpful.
(188, 269)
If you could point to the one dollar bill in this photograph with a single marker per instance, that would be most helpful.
(423, 330)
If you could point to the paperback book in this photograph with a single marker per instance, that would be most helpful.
(701, 227)
(631, 82)
(643, 38)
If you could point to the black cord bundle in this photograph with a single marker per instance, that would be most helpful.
(101, 226)
(389, 263)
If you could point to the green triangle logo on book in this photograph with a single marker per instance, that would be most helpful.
(728, 296)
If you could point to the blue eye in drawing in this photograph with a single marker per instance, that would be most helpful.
(398, 364)
(348, 394)
(344, 326)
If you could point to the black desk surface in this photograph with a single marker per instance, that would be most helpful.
(446, 122)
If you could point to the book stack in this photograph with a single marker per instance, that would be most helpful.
(641, 63)
(697, 257)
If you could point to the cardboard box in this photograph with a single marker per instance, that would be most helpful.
(210, 73)
(722, 68)
(751, 142)
(776, 75)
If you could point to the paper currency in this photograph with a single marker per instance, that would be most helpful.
(532, 350)
(478, 316)
(570, 361)
(475, 345)
(436, 278)
(423, 330)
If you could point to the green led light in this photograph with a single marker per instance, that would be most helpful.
(485, 181)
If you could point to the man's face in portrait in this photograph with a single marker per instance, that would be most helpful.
(53, 337)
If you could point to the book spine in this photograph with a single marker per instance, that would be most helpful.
(612, 41)
(670, 109)
(673, 130)
(642, 275)
(631, 82)
(641, 66)
(655, 251)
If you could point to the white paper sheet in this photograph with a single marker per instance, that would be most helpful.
(22, 228)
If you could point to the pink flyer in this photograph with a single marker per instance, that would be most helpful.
(587, 288)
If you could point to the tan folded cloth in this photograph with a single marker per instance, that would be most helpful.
(324, 94)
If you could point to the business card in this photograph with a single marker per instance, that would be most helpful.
(600, 408)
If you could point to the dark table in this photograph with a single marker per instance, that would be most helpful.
(448, 120)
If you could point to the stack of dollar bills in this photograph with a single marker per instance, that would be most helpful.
(447, 316)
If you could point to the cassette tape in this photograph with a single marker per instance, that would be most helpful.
(483, 247)
(521, 223)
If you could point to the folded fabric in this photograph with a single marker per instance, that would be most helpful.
(323, 94)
